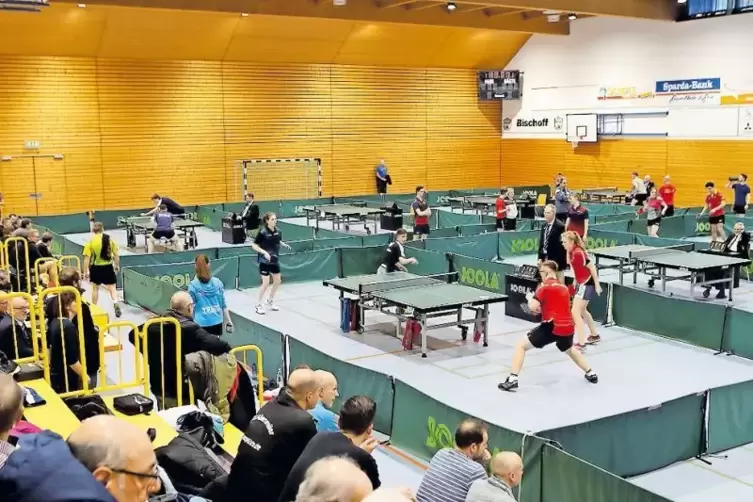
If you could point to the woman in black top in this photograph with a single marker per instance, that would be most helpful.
(267, 244)
(394, 256)
(66, 370)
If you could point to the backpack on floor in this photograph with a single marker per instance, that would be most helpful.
(478, 326)
(344, 315)
(411, 331)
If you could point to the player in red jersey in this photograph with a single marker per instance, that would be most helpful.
(667, 193)
(577, 217)
(552, 299)
(501, 211)
(587, 287)
(715, 206)
(655, 208)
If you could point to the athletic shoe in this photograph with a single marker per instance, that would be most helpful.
(260, 309)
(579, 347)
(118, 312)
(593, 378)
(508, 385)
(593, 339)
(272, 305)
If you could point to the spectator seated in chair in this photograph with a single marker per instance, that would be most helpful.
(737, 244)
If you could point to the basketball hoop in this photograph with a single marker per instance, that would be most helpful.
(574, 142)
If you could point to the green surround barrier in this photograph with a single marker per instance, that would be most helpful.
(180, 274)
(292, 208)
(324, 233)
(376, 240)
(429, 262)
(482, 274)
(295, 267)
(353, 241)
(689, 321)
(730, 417)
(445, 232)
(471, 230)
(147, 292)
(646, 240)
(270, 341)
(415, 244)
(615, 226)
(447, 219)
(668, 432)
(293, 232)
(598, 239)
(364, 260)
(672, 227)
(479, 246)
(737, 333)
(601, 219)
(211, 216)
(569, 479)
(351, 380)
(516, 243)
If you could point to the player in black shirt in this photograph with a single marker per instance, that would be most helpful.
(394, 256)
(267, 244)
(172, 207)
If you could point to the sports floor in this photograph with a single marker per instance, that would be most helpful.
(636, 370)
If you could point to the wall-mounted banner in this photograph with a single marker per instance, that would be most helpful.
(690, 92)
(534, 123)
(619, 93)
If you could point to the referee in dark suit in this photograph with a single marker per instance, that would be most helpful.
(550, 242)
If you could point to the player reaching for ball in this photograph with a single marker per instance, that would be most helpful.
(552, 299)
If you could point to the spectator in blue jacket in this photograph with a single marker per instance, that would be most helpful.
(326, 420)
(208, 294)
(43, 469)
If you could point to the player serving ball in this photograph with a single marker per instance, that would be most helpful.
(587, 287)
(552, 300)
(394, 256)
(267, 244)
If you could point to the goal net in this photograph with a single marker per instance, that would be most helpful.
(272, 179)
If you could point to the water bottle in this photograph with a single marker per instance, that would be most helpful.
(279, 378)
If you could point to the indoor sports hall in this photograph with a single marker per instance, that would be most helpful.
(290, 141)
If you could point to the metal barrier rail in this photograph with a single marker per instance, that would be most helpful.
(139, 371)
(72, 258)
(25, 243)
(161, 321)
(259, 367)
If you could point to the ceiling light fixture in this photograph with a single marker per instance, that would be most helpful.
(339, 3)
(572, 16)
(451, 6)
(82, 6)
(244, 14)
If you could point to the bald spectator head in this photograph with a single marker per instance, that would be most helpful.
(119, 455)
(302, 387)
(472, 438)
(391, 495)
(327, 384)
(11, 405)
(182, 303)
(334, 479)
(19, 308)
(508, 466)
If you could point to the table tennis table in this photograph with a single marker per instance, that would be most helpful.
(144, 225)
(344, 215)
(604, 195)
(426, 296)
(656, 262)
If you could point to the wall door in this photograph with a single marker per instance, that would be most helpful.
(50, 186)
(33, 186)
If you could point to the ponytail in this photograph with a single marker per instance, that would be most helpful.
(575, 238)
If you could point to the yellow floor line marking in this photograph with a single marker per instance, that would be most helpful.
(719, 473)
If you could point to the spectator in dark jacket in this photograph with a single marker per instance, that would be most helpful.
(70, 276)
(45, 245)
(354, 441)
(43, 469)
(550, 242)
(274, 440)
(250, 215)
(15, 337)
(193, 339)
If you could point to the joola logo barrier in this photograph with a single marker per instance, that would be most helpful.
(599, 243)
(520, 289)
(440, 436)
(177, 280)
(476, 277)
(702, 227)
(192, 216)
(524, 246)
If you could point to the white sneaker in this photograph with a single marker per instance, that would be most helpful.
(272, 305)
(260, 309)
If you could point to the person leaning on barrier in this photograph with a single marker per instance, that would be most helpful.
(193, 338)
(70, 276)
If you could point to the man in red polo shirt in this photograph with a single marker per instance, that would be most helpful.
(421, 212)
(552, 299)
(715, 206)
(667, 193)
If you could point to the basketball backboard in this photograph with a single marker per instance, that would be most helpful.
(581, 128)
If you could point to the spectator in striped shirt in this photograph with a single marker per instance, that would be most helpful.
(452, 470)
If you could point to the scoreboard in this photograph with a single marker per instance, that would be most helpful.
(499, 84)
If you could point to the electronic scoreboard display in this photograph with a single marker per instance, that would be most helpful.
(499, 84)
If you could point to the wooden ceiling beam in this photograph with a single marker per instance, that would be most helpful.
(645, 9)
(355, 10)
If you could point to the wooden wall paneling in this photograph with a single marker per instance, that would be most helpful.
(378, 113)
(162, 131)
(17, 178)
(276, 111)
(532, 162)
(54, 101)
(463, 146)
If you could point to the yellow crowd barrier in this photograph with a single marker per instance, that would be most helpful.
(139, 378)
(162, 321)
(4, 265)
(39, 265)
(37, 354)
(12, 242)
(66, 260)
(245, 349)
(83, 375)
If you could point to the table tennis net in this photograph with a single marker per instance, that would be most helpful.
(410, 282)
(598, 190)
(647, 253)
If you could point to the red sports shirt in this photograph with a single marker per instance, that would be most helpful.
(667, 194)
(555, 306)
(713, 200)
(500, 208)
(579, 263)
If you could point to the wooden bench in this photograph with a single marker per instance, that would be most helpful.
(54, 414)
(165, 433)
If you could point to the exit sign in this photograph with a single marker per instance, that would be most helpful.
(32, 144)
